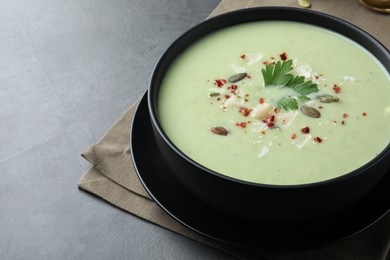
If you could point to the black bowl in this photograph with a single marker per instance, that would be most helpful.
(268, 204)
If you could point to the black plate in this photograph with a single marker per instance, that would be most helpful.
(192, 212)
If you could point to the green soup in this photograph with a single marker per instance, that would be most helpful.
(265, 142)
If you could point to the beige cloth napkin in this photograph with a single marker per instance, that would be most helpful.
(113, 178)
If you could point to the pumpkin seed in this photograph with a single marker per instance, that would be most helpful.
(327, 98)
(310, 111)
(214, 94)
(237, 77)
(219, 130)
(304, 3)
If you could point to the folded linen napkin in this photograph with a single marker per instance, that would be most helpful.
(112, 176)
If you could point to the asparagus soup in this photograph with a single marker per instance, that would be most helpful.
(277, 103)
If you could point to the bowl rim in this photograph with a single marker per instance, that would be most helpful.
(270, 11)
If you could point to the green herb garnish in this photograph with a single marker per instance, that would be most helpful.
(301, 86)
(304, 98)
(278, 74)
(288, 103)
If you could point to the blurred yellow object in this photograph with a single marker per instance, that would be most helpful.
(304, 3)
(378, 5)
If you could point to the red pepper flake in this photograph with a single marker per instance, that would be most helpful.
(305, 130)
(343, 122)
(272, 58)
(241, 124)
(276, 110)
(293, 136)
(265, 62)
(336, 89)
(320, 107)
(317, 77)
(345, 115)
(261, 101)
(263, 132)
(220, 82)
(364, 113)
(234, 87)
(242, 56)
(249, 121)
(249, 76)
(247, 95)
(233, 92)
(269, 119)
(246, 100)
(219, 99)
(227, 96)
(317, 139)
(245, 111)
(283, 56)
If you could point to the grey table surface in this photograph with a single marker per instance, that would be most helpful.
(68, 70)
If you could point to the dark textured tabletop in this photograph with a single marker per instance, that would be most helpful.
(68, 70)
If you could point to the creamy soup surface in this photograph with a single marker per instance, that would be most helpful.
(239, 129)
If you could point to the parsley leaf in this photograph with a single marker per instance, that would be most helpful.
(301, 86)
(288, 103)
(304, 98)
(277, 74)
